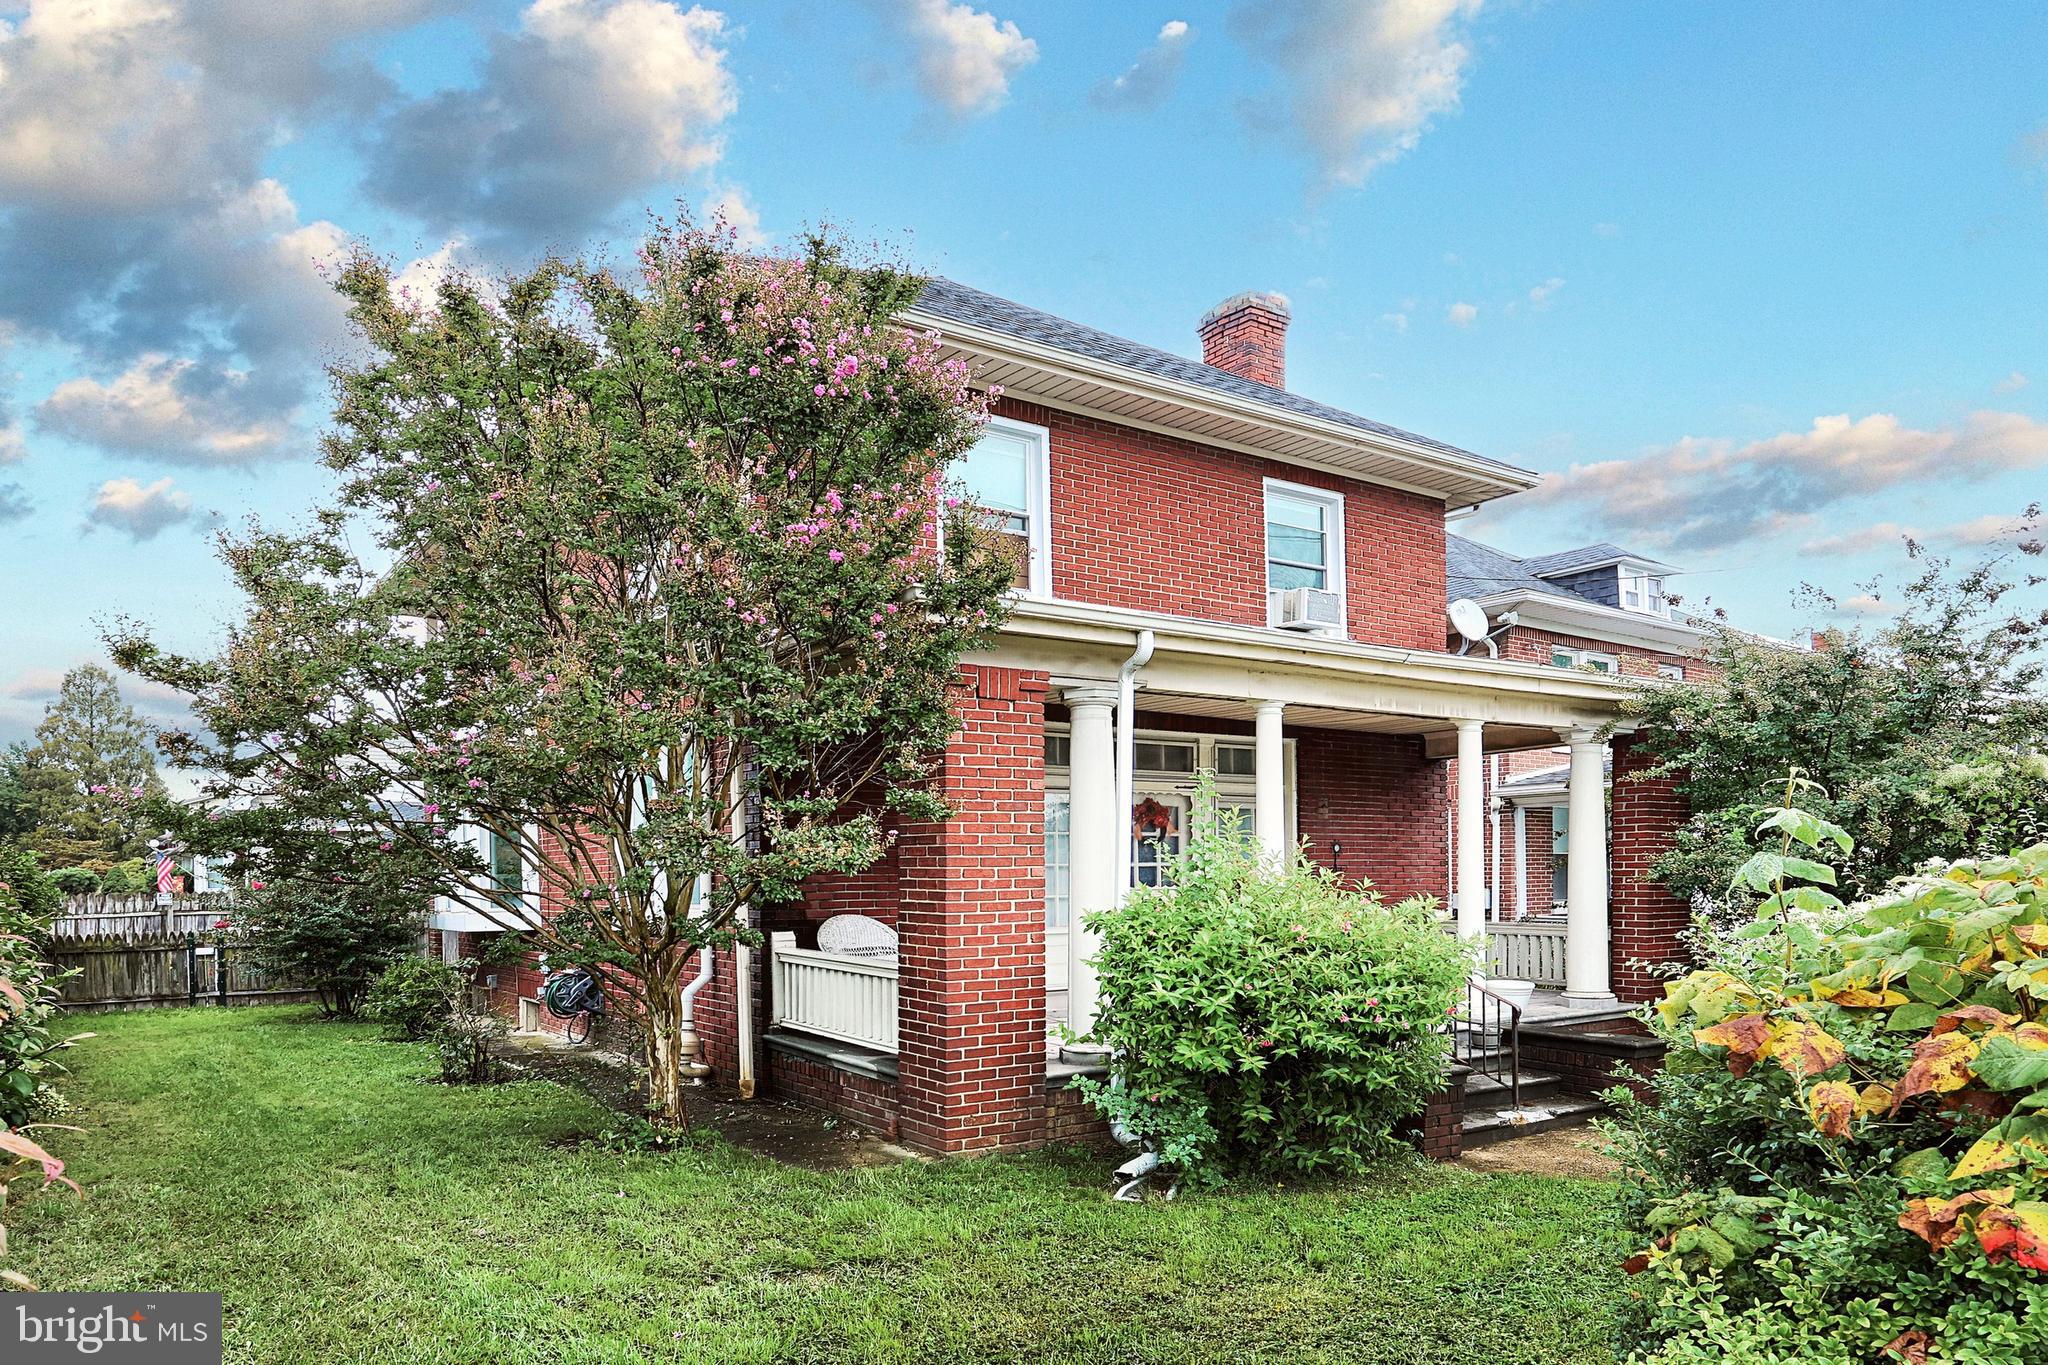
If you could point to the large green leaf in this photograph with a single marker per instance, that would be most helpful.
(2004, 1064)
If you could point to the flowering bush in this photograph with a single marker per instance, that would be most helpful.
(1848, 1159)
(699, 591)
(1272, 1025)
(331, 937)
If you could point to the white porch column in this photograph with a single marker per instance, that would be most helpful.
(1585, 945)
(1269, 788)
(1521, 862)
(1471, 883)
(1094, 829)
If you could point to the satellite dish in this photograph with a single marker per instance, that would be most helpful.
(1468, 618)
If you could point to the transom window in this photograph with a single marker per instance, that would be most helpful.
(1304, 541)
(1236, 760)
(1006, 472)
(1157, 756)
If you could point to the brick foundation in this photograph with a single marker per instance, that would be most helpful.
(1584, 1056)
(1438, 1132)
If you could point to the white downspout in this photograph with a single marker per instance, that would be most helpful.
(1126, 782)
(1126, 752)
(691, 1046)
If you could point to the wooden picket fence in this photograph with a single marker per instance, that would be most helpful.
(139, 968)
(94, 915)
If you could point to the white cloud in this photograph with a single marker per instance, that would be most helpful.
(170, 409)
(1541, 295)
(2012, 383)
(1989, 529)
(1866, 604)
(1361, 80)
(1149, 80)
(964, 57)
(729, 204)
(1397, 321)
(588, 103)
(14, 503)
(1703, 492)
(1607, 229)
(138, 512)
(1461, 314)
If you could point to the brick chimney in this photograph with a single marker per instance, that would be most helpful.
(1246, 334)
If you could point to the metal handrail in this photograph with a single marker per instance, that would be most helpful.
(1482, 1008)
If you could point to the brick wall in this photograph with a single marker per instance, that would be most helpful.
(1382, 800)
(1525, 644)
(1646, 919)
(1123, 534)
(971, 985)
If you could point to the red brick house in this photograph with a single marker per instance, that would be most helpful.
(1220, 576)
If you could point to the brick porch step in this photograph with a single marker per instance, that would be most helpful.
(1489, 1116)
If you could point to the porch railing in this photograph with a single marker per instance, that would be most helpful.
(1526, 951)
(852, 999)
(1486, 1035)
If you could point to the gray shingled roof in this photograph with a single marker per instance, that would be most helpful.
(1586, 556)
(950, 299)
(1550, 777)
(1475, 570)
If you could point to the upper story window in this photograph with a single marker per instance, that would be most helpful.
(1671, 672)
(1644, 592)
(1563, 656)
(1008, 472)
(1305, 549)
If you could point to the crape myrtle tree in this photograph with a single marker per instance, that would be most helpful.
(668, 589)
(1925, 732)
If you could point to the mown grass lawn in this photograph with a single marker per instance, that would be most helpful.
(349, 1210)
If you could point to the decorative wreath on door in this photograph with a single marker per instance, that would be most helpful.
(1151, 819)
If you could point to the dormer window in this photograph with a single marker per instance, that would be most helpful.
(1644, 592)
(1008, 472)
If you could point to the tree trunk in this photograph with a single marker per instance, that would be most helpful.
(664, 1055)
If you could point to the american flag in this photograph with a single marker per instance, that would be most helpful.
(166, 872)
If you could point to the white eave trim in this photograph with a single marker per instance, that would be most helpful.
(1114, 627)
(1458, 479)
(1592, 621)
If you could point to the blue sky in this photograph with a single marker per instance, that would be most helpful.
(1762, 286)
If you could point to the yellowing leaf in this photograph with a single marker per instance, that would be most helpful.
(1858, 998)
(1875, 1099)
(1805, 1049)
(1972, 1018)
(1991, 1153)
(1941, 1063)
(1747, 1038)
(1935, 1219)
(1831, 1104)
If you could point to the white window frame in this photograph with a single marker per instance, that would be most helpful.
(1038, 503)
(1647, 586)
(1333, 546)
(1671, 672)
(1587, 658)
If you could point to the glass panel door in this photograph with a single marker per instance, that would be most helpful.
(1159, 825)
(1058, 888)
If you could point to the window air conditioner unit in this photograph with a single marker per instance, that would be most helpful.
(1310, 609)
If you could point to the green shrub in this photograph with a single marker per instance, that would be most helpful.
(129, 877)
(463, 1041)
(331, 939)
(29, 992)
(1270, 1025)
(414, 995)
(75, 881)
(1847, 1157)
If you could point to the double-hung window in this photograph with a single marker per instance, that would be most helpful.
(1644, 592)
(1007, 474)
(1304, 543)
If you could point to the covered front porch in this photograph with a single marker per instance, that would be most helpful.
(1071, 780)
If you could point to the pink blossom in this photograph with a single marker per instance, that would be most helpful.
(818, 389)
(836, 556)
(255, 886)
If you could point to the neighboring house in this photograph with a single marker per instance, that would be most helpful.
(1251, 584)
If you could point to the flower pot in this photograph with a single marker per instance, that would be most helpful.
(1514, 990)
